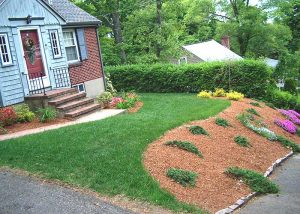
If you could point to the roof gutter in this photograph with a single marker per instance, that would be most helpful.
(101, 61)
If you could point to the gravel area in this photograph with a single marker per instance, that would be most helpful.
(214, 190)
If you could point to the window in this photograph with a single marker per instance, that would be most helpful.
(182, 60)
(55, 43)
(5, 56)
(71, 46)
(80, 87)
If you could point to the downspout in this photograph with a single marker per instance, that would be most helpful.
(101, 61)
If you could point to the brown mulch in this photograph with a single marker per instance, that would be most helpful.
(136, 108)
(214, 189)
(32, 125)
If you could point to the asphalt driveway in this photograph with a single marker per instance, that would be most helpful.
(287, 201)
(20, 194)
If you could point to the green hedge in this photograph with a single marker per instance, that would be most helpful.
(248, 76)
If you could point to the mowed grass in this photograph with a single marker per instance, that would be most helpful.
(107, 155)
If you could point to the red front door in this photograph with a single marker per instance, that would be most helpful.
(32, 53)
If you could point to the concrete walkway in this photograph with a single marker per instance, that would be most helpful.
(19, 194)
(287, 201)
(99, 115)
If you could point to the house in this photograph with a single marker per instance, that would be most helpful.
(47, 45)
(208, 51)
(271, 62)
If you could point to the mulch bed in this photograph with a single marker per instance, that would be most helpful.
(32, 125)
(136, 108)
(214, 189)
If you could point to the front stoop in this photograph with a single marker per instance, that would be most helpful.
(69, 102)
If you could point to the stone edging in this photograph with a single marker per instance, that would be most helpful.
(242, 201)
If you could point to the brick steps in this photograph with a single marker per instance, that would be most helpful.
(66, 99)
(78, 103)
(81, 111)
(60, 93)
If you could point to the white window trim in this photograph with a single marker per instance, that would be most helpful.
(76, 45)
(182, 58)
(77, 86)
(8, 51)
(55, 56)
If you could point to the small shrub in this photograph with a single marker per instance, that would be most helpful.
(290, 85)
(222, 122)
(183, 177)
(253, 111)
(8, 116)
(23, 113)
(104, 99)
(198, 130)
(254, 180)
(271, 105)
(2, 130)
(288, 144)
(242, 141)
(187, 146)
(46, 114)
(281, 99)
(219, 92)
(204, 94)
(263, 131)
(255, 104)
(290, 114)
(233, 95)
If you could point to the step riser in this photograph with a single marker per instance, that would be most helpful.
(62, 94)
(73, 116)
(75, 107)
(67, 100)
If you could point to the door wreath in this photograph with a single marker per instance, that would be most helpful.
(30, 49)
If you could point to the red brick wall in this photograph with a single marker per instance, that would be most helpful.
(89, 69)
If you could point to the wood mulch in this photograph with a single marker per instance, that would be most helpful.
(32, 125)
(214, 189)
(136, 108)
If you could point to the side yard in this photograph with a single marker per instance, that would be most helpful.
(106, 156)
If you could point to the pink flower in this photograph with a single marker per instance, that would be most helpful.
(295, 113)
(290, 115)
(115, 100)
(286, 125)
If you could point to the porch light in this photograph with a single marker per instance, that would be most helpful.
(29, 19)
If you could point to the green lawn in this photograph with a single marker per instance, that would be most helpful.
(106, 156)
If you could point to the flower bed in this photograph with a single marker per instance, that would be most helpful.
(291, 115)
(287, 125)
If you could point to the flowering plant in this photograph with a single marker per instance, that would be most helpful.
(204, 94)
(233, 95)
(115, 101)
(295, 113)
(286, 125)
(290, 115)
(8, 116)
(219, 92)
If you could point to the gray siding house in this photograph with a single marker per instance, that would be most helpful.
(47, 45)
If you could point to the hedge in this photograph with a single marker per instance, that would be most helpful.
(248, 76)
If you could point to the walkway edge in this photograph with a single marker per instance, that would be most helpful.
(242, 201)
(89, 118)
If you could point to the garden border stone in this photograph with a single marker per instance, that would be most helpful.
(242, 201)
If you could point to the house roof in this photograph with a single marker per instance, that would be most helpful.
(71, 13)
(272, 62)
(212, 51)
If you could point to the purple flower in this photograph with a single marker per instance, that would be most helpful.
(290, 115)
(286, 125)
(295, 113)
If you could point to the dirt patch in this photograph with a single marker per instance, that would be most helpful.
(32, 125)
(138, 105)
(214, 190)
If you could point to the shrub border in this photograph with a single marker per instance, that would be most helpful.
(242, 201)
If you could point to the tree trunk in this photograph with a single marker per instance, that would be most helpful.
(158, 22)
(117, 30)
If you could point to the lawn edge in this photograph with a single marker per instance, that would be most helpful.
(244, 200)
